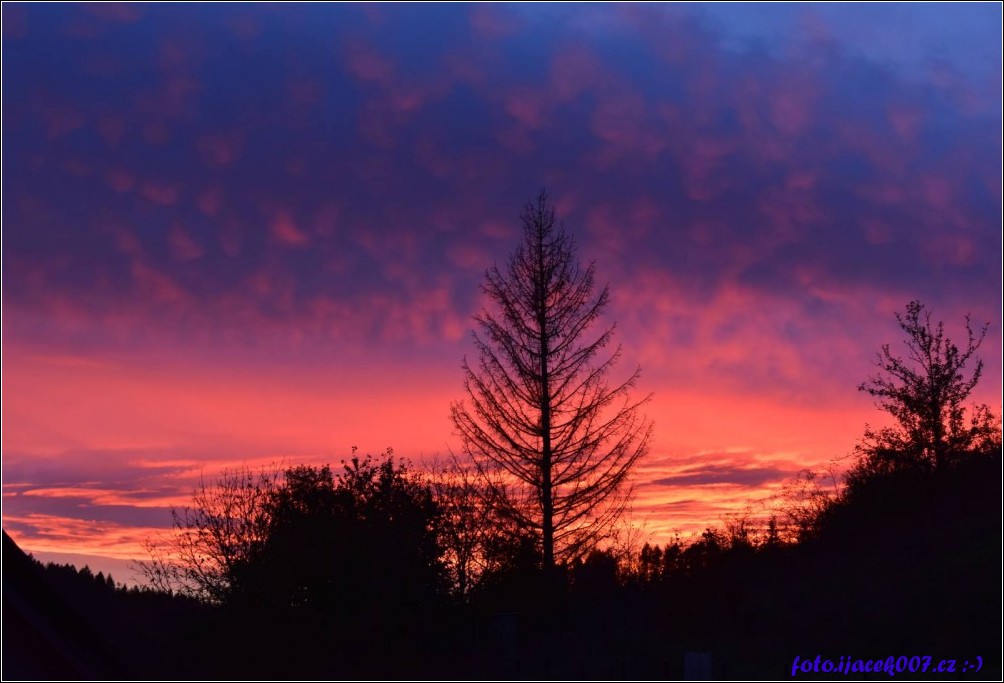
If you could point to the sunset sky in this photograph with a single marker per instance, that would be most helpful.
(253, 234)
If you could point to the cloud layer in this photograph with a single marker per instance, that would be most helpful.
(203, 206)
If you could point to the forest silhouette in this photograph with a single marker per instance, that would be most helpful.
(466, 569)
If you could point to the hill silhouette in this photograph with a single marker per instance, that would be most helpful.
(65, 623)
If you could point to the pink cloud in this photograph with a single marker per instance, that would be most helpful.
(376, 125)
(702, 163)
(745, 342)
(951, 246)
(790, 213)
(618, 120)
(285, 230)
(120, 180)
(61, 120)
(429, 153)
(51, 533)
(177, 57)
(159, 286)
(877, 232)
(118, 12)
(490, 23)
(882, 193)
(469, 257)
(458, 68)
(325, 220)
(801, 180)
(365, 63)
(161, 193)
(525, 106)
(496, 229)
(791, 108)
(231, 242)
(210, 201)
(220, 149)
(906, 121)
(610, 230)
(576, 70)
(305, 92)
(126, 242)
(182, 245)
(270, 283)
(516, 140)
(936, 191)
(169, 100)
(244, 25)
(112, 130)
(156, 133)
(139, 498)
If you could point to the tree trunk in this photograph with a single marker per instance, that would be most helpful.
(546, 494)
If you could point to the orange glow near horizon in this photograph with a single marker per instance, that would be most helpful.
(141, 443)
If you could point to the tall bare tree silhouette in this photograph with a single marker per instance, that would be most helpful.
(541, 407)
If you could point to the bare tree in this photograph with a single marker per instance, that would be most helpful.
(801, 504)
(926, 392)
(541, 408)
(215, 539)
(477, 537)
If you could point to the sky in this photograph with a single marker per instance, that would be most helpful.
(256, 233)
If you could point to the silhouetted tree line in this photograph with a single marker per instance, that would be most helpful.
(64, 623)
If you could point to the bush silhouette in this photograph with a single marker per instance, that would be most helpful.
(363, 543)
